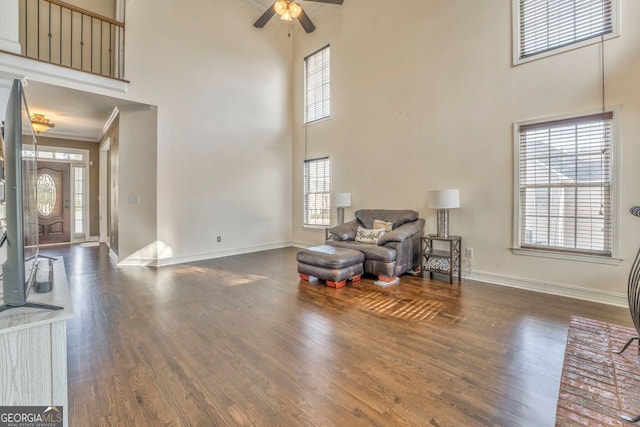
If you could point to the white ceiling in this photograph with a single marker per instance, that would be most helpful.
(77, 115)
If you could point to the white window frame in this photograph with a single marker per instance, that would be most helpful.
(85, 207)
(304, 194)
(517, 248)
(306, 88)
(615, 32)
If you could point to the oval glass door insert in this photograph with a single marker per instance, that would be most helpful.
(46, 194)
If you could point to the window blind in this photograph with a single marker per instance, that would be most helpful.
(317, 93)
(565, 185)
(317, 191)
(550, 24)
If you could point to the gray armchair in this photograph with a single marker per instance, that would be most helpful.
(395, 253)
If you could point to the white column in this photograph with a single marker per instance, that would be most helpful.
(9, 26)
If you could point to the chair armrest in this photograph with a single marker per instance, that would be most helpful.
(404, 232)
(346, 231)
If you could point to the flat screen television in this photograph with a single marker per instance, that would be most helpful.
(20, 226)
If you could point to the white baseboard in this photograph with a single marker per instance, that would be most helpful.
(9, 45)
(93, 239)
(302, 245)
(571, 291)
(217, 254)
(138, 262)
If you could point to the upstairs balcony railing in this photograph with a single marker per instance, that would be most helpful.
(60, 33)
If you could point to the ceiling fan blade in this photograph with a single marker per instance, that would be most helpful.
(306, 22)
(262, 21)
(328, 1)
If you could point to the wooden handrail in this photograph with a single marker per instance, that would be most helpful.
(86, 12)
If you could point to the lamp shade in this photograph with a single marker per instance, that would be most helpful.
(342, 200)
(444, 199)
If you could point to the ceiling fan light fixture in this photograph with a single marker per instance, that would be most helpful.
(286, 16)
(40, 123)
(295, 9)
(280, 7)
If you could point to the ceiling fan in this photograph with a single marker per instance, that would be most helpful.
(288, 11)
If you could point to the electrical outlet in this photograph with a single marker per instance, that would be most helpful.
(219, 238)
(469, 253)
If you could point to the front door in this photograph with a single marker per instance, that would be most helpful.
(53, 202)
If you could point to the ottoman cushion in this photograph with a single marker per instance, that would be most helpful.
(330, 257)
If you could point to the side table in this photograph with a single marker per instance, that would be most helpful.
(453, 255)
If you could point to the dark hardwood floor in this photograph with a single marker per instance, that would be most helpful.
(242, 341)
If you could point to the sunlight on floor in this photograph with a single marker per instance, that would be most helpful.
(399, 308)
(222, 277)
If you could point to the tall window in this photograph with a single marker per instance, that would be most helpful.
(564, 177)
(317, 93)
(78, 198)
(317, 191)
(546, 25)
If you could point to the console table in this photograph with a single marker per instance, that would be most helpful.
(33, 349)
(453, 255)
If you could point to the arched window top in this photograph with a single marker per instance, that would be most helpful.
(46, 194)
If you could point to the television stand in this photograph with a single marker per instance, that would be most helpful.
(33, 349)
(42, 286)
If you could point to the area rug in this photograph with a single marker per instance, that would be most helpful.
(597, 385)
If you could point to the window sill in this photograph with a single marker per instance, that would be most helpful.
(315, 227)
(591, 259)
(313, 122)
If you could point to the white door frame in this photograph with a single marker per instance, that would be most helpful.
(87, 189)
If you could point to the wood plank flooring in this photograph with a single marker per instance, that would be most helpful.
(241, 341)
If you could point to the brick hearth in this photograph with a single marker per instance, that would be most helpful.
(597, 385)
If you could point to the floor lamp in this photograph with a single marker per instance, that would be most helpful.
(341, 201)
(443, 200)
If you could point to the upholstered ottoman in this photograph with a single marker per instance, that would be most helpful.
(334, 265)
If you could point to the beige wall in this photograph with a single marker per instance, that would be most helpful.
(101, 7)
(136, 180)
(425, 99)
(223, 90)
(94, 156)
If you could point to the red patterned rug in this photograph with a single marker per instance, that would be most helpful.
(597, 385)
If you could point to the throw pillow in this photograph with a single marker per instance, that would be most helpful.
(369, 235)
(378, 223)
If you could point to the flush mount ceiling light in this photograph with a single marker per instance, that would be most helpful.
(41, 123)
